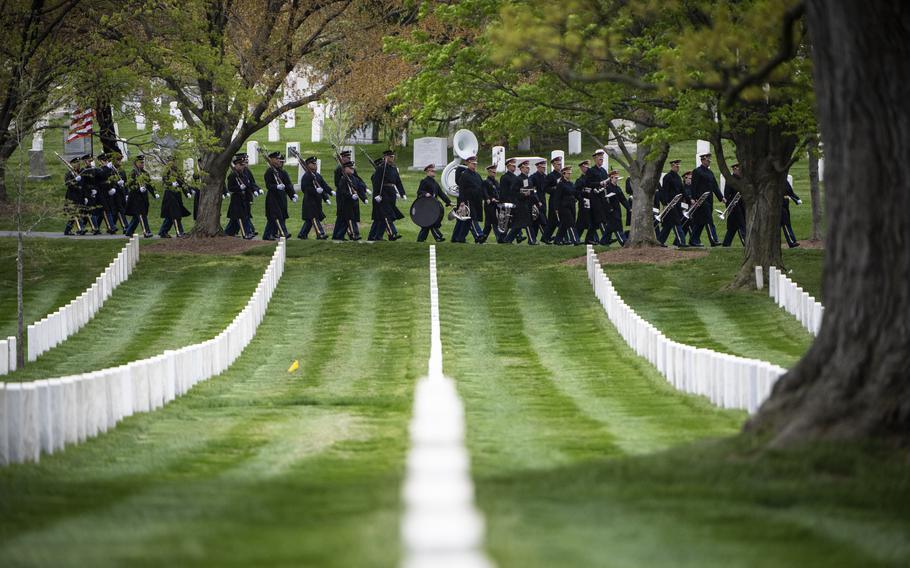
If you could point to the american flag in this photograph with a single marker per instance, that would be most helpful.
(81, 124)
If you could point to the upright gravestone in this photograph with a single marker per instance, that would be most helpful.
(77, 147)
(140, 121)
(574, 142)
(179, 122)
(525, 144)
(274, 132)
(252, 151)
(365, 134)
(430, 150)
(121, 145)
(316, 124)
(189, 168)
(37, 168)
(290, 119)
(499, 158)
(821, 169)
(701, 147)
(290, 159)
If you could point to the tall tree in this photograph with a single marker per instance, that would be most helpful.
(852, 383)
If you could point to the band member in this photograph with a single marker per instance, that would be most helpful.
(672, 187)
(172, 209)
(616, 200)
(106, 183)
(785, 215)
(584, 220)
(94, 212)
(388, 188)
(351, 191)
(470, 192)
(539, 182)
(703, 181)
(242, 188)
(278, 187)
(137, 200)
(736, 215)
(521, 214)
(315, 191)
(430, 188)
(565, 195)
(553, 178)
(490, 204)
(75, 198)
(596, 179)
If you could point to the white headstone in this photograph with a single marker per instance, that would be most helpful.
(318, 166)
(557, 154)
(252, 150)
(140, 122)
(821, 169)
(274, 132)
(701, 147)
(430, 150)
(723, 183)
(525, 144)
(790, 180)
(121, 145)
(291, 160)
(290, 119)
(188, 168)
(316, 124)
(499, 158)
(179, 123)
(574, 142)
(38, 138)
(366, 134)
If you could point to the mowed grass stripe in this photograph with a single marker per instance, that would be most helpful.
(257, 466)
(56, 271)
(170, 301)
(688, 302)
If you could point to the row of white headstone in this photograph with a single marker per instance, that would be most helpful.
(440, 525)
(8, 360)
(47, 415)
(795, 300)
(726, 380)
(55, 328)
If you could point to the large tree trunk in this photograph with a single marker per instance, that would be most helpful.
(4, 194)
(106, 132)
(814, 193)
(644, 185)
(213, 168)
(852, 383)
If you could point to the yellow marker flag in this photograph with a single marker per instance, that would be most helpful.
(294, 366)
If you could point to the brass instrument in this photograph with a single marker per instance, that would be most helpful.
(504, 216)
(698, 203)
(461, 213)
(732, 204)
(671, 205)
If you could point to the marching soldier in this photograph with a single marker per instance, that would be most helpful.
(278, 187)
(242, 188)
(351, 191)
(672, 187)
(137, 200)
(490, 204)
(553, 179)
(584, 225)
(388, 188)
(344, 156)
(118, 181)
(470, 191)
(93, 209)
(785, 216)
(703, 181)
(596, 179)
(736, 215)
(565, 195)
(315, 191)
(539, 181)
(429, 187)
(107, 192)
(521, 214)
(615, 199)
(172, 209)
(75, 198)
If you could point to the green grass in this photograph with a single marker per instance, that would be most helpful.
(256, 466)
(170, 300)
(55, 272)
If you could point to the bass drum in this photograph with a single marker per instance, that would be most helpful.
(426, 212)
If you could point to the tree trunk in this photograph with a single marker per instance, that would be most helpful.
(213, 168)
(20, 306)
(4, 195)
(814, 193)
(852, 383)
(105, 118)
(641, 232)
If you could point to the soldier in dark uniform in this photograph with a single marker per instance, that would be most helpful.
(75, 198)
(315, 191)
(789, 235)
(616, 201)
(137, 200)
(388, 188)
(94, 212)
(470, 191)
(242, 188)
(490, 204)
(553, 178)
(539, 181)
(429, 187)
(172, 209)
(118, 181)
(703, 180)
(344, 156)
(565, 195)
(584, 222)
(351, 191)
(596, 180)
(672, 222)
(278, 188)
(521, 214)
(736, 217)
(106, 183)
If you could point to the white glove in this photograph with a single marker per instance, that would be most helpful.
(78, 177)
(328, 201)
(378, 198)
(94, 192)
(799, 201)
(225, 195)
(175, 184)
(85, 199)
(242, 186)
(120, 183)
(294, 199)
(333, 193)
(189, 194)
(142, 188)
(404, 195)
(280, 186)
(112, 192)
(318, 190)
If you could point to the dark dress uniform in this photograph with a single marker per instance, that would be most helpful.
(521, 214)
(137, 202)
(673, 221)
(565, 196)
(615, 202)
(172, 209)
(315, 191)
(584, 219)
(736, 217)
(470, 191)
(351, 191)
(278, 188)
(242, 188)
(388, 188)
(75, 203)
(703, 180)
(789, 235)
(539, 181)
(594, 180)
(106, 183)
(429, 187)
(553, 179)
(491, 199)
